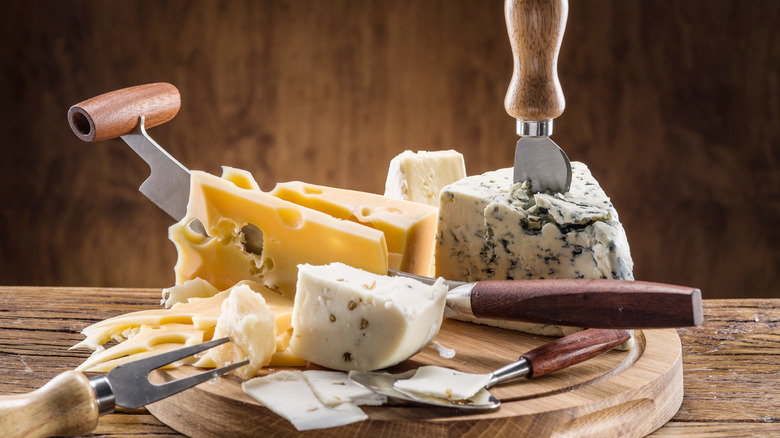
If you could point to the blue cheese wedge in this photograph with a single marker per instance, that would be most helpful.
(350, 319)
(491, 228)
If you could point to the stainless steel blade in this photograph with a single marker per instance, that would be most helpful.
(168, 186)
(543, 163)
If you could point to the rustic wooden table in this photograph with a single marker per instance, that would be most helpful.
(731, 363)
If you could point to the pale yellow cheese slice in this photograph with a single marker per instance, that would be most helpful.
(291, 234)
(150, 332)
(409, 227)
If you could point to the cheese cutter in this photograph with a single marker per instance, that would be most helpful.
(534, 97)
(71, 403)
(554, 356)
(127, 112)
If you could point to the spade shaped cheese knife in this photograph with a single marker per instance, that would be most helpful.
(534, 97)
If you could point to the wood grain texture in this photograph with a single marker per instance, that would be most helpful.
(674, 107)
(535, 29)
(729, 363)
(594, 397)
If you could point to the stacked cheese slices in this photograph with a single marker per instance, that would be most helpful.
(298, 274)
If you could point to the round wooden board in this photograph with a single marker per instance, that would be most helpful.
(620, 393)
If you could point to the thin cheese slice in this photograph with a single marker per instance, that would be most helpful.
(291, 234)
(335, 387)
(148, 332)
(444, 383)
(287, 394)
(409, 227)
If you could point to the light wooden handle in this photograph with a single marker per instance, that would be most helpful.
(66, 405)
(535, 30)
(116, 113)
(573, 349)
(589, 303)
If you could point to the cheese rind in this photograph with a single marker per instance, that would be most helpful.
(420, 176)
(291, 234)
(409, 227)
(349, 319)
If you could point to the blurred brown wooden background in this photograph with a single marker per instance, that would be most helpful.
(674, 105)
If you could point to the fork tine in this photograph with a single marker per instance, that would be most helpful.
(153, 362)
(132, 388)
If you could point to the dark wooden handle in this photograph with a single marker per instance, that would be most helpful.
(116, 113)
(65, 406)
(535, 30)
(589, 303)
(573, 349)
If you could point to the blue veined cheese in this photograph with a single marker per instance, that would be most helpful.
(493, 229)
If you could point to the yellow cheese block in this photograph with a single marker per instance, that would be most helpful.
(409, 227)
(149, 332)
(290, 235)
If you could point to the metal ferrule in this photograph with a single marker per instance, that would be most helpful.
(104, 394)
(514, 370)
(459, 299)
(529, 128)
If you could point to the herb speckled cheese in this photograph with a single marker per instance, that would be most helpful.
(491, 229)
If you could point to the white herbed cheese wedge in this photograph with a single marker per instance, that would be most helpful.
(420, 176)
(287, 394)
(335, 387)
(444, 383)
(250, 324)
(349, 319)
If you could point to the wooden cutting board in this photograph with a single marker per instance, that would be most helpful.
(620, 393)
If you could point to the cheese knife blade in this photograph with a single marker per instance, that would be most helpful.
(597, 303)
(534, 97)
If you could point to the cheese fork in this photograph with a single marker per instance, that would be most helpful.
(71, 403)
(556, 355)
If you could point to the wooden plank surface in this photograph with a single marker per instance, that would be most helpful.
(730, 363)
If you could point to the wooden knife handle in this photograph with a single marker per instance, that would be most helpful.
(573, 349)
(535, 30)
(66, 405)
(589, 303)
(116, 113)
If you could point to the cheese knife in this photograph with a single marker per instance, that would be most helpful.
(554, 356)
(593, 303)
(579, 303)
(71, 403)
(534, 97)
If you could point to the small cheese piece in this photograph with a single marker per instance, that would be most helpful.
(235, 214)
(250, 324)
(195, 288)
(349, 319)
(409, 227)
(335, 387)
(491, 228)
(433, 381)
(287, 394)
(420, 176)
